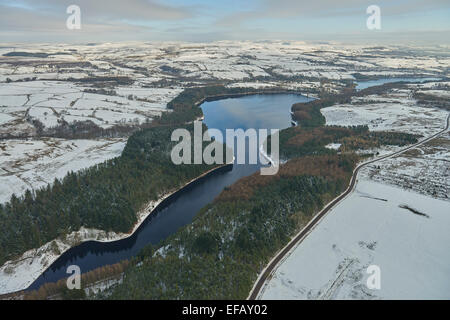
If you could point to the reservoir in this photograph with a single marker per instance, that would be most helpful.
(265, 111)
(370, 83)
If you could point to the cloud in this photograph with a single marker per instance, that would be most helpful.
(24, 25)
(285, 9)
(198, 20)
(45, 20)
(51, 14)
(107, 9)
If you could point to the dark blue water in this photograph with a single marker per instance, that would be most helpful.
(257, 111)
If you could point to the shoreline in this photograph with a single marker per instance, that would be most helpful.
(283, 253)
(243, 94)
(44, 256)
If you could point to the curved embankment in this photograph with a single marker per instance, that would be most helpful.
(88, 235)
(284, 252)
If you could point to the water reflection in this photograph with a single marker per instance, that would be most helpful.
(258, 111)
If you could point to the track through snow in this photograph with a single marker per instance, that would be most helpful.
(268, 272)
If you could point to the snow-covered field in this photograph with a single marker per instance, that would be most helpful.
(437, 93)
(397, 218)
(51, 102)
(131, 83)
(425, 169)
(370, 228)
(394, 111)
(31, 164)
(83, 82)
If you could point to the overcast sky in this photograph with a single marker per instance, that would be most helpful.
(402, 21)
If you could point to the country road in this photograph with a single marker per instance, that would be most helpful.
(283, 253)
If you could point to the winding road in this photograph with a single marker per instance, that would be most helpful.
(283, 253)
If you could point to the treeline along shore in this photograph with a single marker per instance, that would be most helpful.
(219, 254)
(109, 195)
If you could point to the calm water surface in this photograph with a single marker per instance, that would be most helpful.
(257, 111)
(271, 111)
